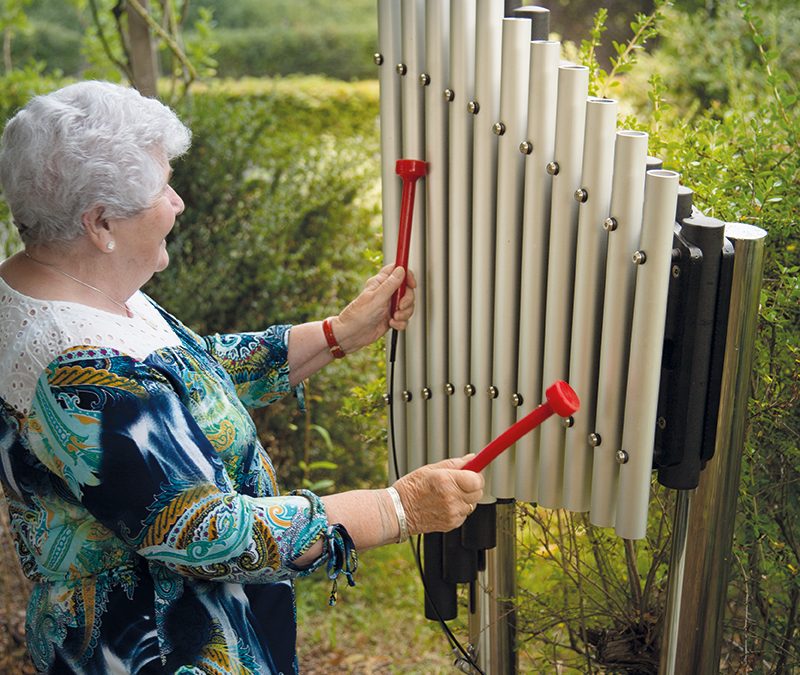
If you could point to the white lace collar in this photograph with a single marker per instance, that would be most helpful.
(33, 332)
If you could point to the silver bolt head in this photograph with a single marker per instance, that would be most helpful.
(473, 107)
(526, 147)
(581, 195)
(469, 389)
(449, 389)
(568, 422)
(386, 399)
(610, 224)
(621, 456)
(424, 79)
(493, 392)
(517, 400)
(449, 94)
(639, 257)
(407, 396)
(426, 393)
(676, 271)
(499, 128)
(552, 168)
(401, 68)
(377, 57)
(595, 440)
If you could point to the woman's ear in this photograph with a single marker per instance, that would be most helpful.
(97, 229)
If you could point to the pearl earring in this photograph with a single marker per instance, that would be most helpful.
(110, 245)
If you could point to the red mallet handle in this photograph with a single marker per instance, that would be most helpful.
(561, 400)
(409, 170)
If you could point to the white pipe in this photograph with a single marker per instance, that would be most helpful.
(647, 341)
(486, 107)
(542, 94)
(510, 128)
(461, 92)
(387, 58)
(594, 198)
(573, 85)
(624, 230)
(437, 54)
(413, 57)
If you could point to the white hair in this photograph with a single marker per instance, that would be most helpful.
(90, 144)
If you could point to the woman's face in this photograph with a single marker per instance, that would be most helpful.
(141, 240)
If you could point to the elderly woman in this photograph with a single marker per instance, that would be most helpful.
(142, 504)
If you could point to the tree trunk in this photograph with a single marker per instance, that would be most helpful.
(144, 63)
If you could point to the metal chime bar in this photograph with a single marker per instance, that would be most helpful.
(387, 59)
(593, 197)
(459, 93)
(486, 108)
(510, 129)
(410, 69)
(434, 80)
(539, 151)
(624, 226)
(573, 86)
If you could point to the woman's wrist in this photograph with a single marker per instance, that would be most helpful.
(344, 339)
(334, 347)
(400, 513)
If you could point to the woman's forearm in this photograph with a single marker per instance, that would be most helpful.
(308, 351)
(368, 515)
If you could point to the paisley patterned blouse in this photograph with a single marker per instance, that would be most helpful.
(144, 507)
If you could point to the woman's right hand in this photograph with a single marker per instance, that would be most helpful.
(439, 497)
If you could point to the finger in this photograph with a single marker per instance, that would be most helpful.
(391, 283)
(411, 280)
(468, 481)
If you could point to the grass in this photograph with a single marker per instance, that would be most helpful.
(378, 626)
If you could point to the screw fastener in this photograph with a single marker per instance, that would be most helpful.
(526, 147)
(377, 57)
(401, 68)
(473, 107)
(499, 128)
(449, 389)
(552, 168)
(581, 195)
(424, 79)
(610, 224)
(639, 257)
(621, 456)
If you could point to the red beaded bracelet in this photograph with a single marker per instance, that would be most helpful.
(333, 345)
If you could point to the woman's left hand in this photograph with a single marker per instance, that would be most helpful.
(367, 318)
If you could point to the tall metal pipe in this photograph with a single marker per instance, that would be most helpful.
(386, 58)
(459, 93)
(573, 86)
(594, 198)
(538, 148)
(653, 260)
(413, 57)
(624, 229)
(510, 128)
(485, 108)
(693, 625)
(434, 80)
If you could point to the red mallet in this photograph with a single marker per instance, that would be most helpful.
(561, 400)
(409, 170)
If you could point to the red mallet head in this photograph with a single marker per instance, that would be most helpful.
(562, 398)
(411, 168)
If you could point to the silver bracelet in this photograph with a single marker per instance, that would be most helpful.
(401, 513)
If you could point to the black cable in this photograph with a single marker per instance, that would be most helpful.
(454, 643)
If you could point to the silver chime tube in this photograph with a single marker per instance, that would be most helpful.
(653, 259)
(573, 85)
(413, 58)
(693, 624)
(624, 227)
(459, 93)
(594, 199)
(485, 107)
(538, 148)
(387, 58)
(434, 80)
(510, 129)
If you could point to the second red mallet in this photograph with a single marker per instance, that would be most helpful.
(561, 400)
(409, 170)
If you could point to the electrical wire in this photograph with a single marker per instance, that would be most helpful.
(454, 642)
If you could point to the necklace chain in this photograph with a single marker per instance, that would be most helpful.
(121, 305)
